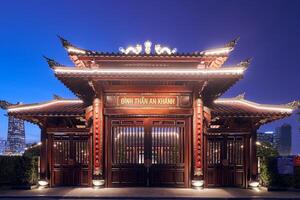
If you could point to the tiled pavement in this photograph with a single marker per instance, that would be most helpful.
(145, 193)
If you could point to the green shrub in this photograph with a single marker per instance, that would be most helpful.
(269, 175)
(297, 177)
(18, 170)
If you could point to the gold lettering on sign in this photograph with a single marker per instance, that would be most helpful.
(147, 100)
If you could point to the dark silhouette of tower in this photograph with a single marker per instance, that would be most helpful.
(283, 139)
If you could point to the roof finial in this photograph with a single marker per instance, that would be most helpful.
(70, 47)
(245, 63)
(64, 42)
(294, 105)
(232, 43)
(5, 104)
(57, 97)
(241, 96)
(51, 62)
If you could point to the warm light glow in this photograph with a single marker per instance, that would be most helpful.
(75, 50)
(39, 143)
(217, 51)
(214, 126)
(148, 45)
(254, 184)
(164, 50)
(131, 49)
(256, 189)
(98, 183)
(43, 184)
(38, 106)
(258, 143)
(254, 105)
(197, 183)
(157, 71)
(137, 49)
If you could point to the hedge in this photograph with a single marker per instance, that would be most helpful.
(269, 176)
(18, 170)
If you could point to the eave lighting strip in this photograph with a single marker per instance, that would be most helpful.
(254, 105)
(236, 70)
(225, 50)
(29, 107)
(75, 50)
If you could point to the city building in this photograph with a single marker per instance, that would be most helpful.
(283, 139)
(15, 144)
(2, 146)
(265, 137)
(149, 116)
(15, 136)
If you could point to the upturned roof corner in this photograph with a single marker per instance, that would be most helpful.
(294, 105)
(233, 42)
(51, 62)
(70, 47)
(241, 96)
(65, 43)
(245, 63)
(5, 104)
(57, 97)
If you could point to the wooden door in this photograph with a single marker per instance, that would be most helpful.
(70, 160)
(148, 152)
(225, 161)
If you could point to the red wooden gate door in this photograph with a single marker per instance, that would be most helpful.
(148, 152)
(69, 160)
(225, 158)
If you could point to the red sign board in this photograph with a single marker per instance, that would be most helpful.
(136, 101)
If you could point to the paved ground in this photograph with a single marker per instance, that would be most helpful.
(144, 193)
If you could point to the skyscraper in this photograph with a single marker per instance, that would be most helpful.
(283, 139)
(16, 133)
(265, 137)
(2, 146)
(15, 136)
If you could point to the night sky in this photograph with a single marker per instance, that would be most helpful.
(269, 31)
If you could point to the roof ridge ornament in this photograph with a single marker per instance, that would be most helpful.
(5, 104)
(131, 49)
(70, 47)
(57, 97)
(241, 96)
(294, 105)
(226, 49)
(138, 49)
(51, 62)
(233, 42)
(245, 63)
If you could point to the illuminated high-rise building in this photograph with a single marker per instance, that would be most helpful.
(15, 136)
(2, 146)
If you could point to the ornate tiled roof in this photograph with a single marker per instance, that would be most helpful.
(222, 107)
(55, 107)
(238, 107)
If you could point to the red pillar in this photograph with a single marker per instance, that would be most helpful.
(97, 139)
(198, 139)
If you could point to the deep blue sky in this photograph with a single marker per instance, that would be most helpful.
(269, 31)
